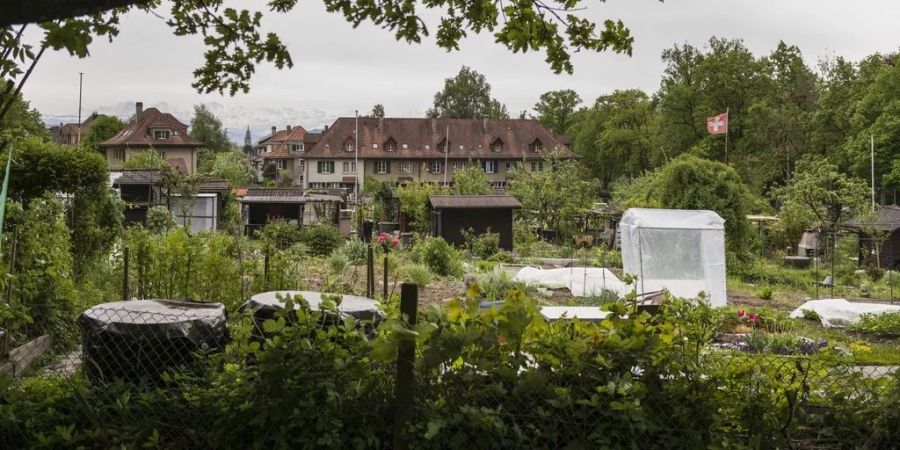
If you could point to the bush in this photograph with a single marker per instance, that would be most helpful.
(280, 234)
(418, 274)
(765, 293)
(496, 283)
(356, 251)
(883, 325)
(482, 245)
(160, 219)
(440, 257)
(321, 239)
(337, 261)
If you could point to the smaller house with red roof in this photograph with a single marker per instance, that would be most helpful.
(285, 150)
(153, 129)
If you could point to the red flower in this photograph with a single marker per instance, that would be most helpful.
(501, 339)
(741, 313)
(754, 317)
(382, 237)
(395, 242)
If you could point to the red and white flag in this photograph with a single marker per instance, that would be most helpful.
(717, 124)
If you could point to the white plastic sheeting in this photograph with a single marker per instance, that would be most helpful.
(837, 312)
(581, 281)
(679, 250)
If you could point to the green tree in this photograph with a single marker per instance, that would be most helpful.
(270, 172)
(232, 166)
(207, 128)
(555, 195)
(693, 183)
(102, 128)
(21, 121)
(378, 110)
(556, 110)
(414, 203)
(471, 181)
(467, 96)
(147, 159)
(617, 136)
(820, 192)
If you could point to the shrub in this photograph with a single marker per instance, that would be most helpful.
(337, 261)
(496, 283)
(764, 293)
(418, 274)
(883, 325)
(160, 219)
(356, 251)
(321, 239)
(280, 234)
(483, 245)
(438, 255)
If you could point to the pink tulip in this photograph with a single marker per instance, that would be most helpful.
(741, 313)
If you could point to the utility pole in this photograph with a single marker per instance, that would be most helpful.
(80, 78)
(872, 153)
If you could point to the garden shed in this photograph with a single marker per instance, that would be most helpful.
(679, 250)
(293, 205)
(451, 214)
(879, 235)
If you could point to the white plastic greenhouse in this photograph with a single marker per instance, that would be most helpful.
(679, 250)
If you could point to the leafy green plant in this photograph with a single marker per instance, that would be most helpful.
(356, 251)
(321, 239)
(337, 261)
(418, 274)
(280, 234)
(885, 324)
(484, 245)
(440, 257)
(764, 293)
(495, 284)
(160, 219)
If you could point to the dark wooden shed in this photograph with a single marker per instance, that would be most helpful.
(451, 214)
(140, 190)
(293, 205)
(881, 231)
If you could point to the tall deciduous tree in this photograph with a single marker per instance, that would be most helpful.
(556, 109)
(207, 128)
(471, 181)
(102, 128)
(616, 136)
(467, 96)
(231, 166)
(378, 110)
(820, 192)
(555, 195)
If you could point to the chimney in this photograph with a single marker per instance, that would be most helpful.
(288, 128)
(138, 109)
(273, 130)
(381, 124)
(484, 125)
(433, 125)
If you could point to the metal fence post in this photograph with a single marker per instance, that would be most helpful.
(125, 257)
(384, 296)
(370, 272)
(266, 269)
(404, 387)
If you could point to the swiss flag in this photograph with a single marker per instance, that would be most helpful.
(717, 124)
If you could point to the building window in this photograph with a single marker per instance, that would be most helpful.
(427, 147)
(349, 167)
(390, 145)
(375, 146)
(325, 167)
(348, 146)
(279, 163)
(382, 167)
(536, 146)
(405, 146)
(444, 145)
(537, 166)
(119, 154)
(497, 145)
(436, 167)
(459, 165)
(161, 134)
(405, 167)
(296, 147)
(490, 167)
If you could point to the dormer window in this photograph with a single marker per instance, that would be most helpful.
(497, 145)
(390, 145)
(348, 145)
(296, 147)
(161, 135)
(443, 146)
(536, 145)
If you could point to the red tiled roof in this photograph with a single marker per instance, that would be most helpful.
(139, 133)
(422, 137)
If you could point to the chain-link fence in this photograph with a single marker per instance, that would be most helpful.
(161, 373)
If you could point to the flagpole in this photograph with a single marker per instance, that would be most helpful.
(446, 153)
(727, 125)
(80, 78)
(872, 153)
(356, 159)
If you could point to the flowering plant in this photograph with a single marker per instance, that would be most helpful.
(387, 241)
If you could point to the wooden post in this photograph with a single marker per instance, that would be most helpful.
(370, 272)
(384, 296)
(125, 257)
(266, 270)
(404, 387)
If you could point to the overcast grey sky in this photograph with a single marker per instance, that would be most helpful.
(338, 69)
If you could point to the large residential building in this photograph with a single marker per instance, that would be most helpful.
(153, 129)
(72, 133)
(285, 149)
(406, 149)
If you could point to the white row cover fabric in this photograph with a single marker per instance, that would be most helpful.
(837, 312)
(679, 250)
(581, 281)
